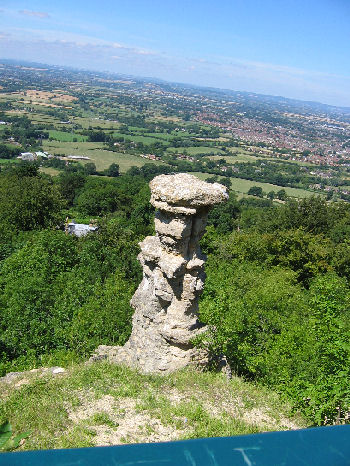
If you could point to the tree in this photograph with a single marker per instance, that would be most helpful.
(281, 195)
(223, 216)
(226, 182)
(99, 197)
(105, 318)
(97, 136)
(70, 184)
(90, 168)
(27, 282)
(245, 307)
(313, 214)
(212, 179)
(271, 195)
(255, 191)
(211, 164)
(8, 152)
(113, 170)
(29, 202)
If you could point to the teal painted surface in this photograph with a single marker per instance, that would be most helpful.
(323, 446)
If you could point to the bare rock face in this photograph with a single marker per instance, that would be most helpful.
(166, 301)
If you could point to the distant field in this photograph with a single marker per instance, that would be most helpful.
(71, 148)
(242, 186)
(164, 136)
(234, 158)
(104, 158)
(6, 161)
(138, 138)
(88, 121)
(196, 150)
(201, 176)
(95, 151)
(243, 156)
(49, 171)
(63, 136)
(42, 118)
(137, 129)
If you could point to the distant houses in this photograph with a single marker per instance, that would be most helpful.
(32, 156)
(78, 157)
(79, 229)
(27, 156)
(150, 156)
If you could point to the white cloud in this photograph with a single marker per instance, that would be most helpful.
(36, 14)
(86, 51)
(77, 40)
(143, 52)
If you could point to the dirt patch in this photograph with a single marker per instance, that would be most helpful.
(261, 418)
(15, 380)
(224, 403)
(125, 423)
(45, 95)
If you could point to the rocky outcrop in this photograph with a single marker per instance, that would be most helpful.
(166, 301)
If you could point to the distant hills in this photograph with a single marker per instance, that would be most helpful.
(247, 98)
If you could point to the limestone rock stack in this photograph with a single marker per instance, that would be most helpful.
(166, 301)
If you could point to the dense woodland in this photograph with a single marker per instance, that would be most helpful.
(276, 298)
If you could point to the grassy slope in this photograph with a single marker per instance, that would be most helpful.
(64, 136)
(103, 404)
(242, 186)
(98, 155)
(196, 150)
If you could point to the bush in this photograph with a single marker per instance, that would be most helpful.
(27, 292)
(290, 338)
(105, 319)
(245, 306)
(60, 293)
(28, 202)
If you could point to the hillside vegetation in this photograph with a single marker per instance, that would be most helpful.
(102, 404)
(276, 299)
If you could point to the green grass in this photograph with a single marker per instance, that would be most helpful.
(74, 148)
(104, 158)
(200, 175)
(7, 161)
(50, 171)
(42, 118)
(244, 156)
(144, 139)
(95, 151)
(195, 150)
(240, 157)
(63, 136)
(242, 186)
(160, 136)
(88, 120)
(74, 409)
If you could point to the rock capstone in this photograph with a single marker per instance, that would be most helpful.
(166, 302)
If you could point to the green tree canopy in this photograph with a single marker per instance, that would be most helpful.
(29, 202)
(256, 191)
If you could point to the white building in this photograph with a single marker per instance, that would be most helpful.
(79, 229)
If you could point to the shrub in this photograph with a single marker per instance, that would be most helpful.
(273, 330)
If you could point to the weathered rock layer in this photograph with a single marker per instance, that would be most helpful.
(166, 301)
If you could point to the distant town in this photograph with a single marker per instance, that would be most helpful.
(58, 117)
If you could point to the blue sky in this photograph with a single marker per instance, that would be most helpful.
(293, 48)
